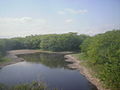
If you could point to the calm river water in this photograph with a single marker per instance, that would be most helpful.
(48, 68)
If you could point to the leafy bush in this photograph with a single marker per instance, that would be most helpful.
(31, 86)
(104, 50)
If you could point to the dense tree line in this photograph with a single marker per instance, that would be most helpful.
(52, 42)
(103, 52)
(62, 42)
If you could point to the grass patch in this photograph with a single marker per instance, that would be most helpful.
(4, 60)
(82, 58)
(30, 86)
(79, 56)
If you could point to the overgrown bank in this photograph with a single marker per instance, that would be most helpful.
(87, 72)
(102, 54)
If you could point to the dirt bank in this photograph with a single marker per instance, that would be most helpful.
(84, 71)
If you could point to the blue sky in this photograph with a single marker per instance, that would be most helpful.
(26, 17)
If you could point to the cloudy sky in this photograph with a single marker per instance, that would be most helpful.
(26, 17)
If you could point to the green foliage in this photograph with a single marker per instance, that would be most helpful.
(4, 60)
(17, 43)
(2, 46)
(52, 42)
(8, 44)
(3, 87)
(104, 50)
(31, 86)
(62, 42)
(32, 42)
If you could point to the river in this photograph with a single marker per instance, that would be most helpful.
(44, 67)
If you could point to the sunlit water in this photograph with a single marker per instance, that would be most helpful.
(48, 68)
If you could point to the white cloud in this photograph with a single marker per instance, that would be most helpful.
(72, 11)
(68, 20)
(22, 26)
(25, 19)
(15, 20)
(75, 11)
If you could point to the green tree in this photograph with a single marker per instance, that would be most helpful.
(104, 50)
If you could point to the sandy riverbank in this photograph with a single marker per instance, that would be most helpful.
(84, 71)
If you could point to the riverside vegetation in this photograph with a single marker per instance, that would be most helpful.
(31, 86)
(101, 52)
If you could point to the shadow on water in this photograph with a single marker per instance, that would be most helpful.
(47, 59)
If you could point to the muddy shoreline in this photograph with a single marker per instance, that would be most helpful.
(84, 71)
